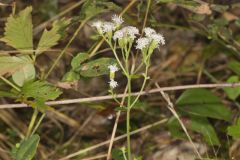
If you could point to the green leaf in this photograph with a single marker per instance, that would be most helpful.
(234, 130)
(40, 91)
(234, 66)
(204, 103)
(18, 31)
(24, 74)
(51, 37)
(78, 59)
(11, 64)
(96, 67)
(196, 124)
(117, 154)
(71, 76)
(233, 93)
(26, 150)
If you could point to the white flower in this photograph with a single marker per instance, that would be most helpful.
(108, 27)
(98, 25)
(113, 68)
(149, 31)
(113, 84)
(158, 38)
(142, 43)
(118, 20)
(118, 35)
(126, 32)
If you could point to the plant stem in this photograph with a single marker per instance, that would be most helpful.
(128, 119)
(33, 119)
(10, 83)
(38, 123)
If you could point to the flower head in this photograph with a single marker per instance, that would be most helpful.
(113, 68)
(149, 31)
(113, 84)
(98, 25)
(108, 27)
(118, 20)
(158, 38)
(126, 32)
(142, 43)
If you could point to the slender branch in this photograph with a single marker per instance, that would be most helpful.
(10, 84)
(108, 97)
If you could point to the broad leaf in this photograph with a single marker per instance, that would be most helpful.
(26, 150)
(96, 67)
(11, 64)
(40, 91)
(196, 124)
(78, 59)
(234, 130)
(204, 103)
(117, 154)
(233, 93)
(18, 31)
(51, 37)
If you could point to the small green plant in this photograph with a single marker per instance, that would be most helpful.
(125, 38)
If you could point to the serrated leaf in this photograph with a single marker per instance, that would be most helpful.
(51, 37)
(25, 73)
(18, 31)
(234, 130)
(204, 103)
(40, 91)
(233, 93)
(78, 59)
(11, 64)
(96, 67)
(26, 150)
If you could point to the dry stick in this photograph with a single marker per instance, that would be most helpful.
(170, 106)
(108, 97)
(115, 127)
(40, 27)
(116, 139)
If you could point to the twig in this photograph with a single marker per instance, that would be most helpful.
(116, 139)
(170, 106)
(108, 97)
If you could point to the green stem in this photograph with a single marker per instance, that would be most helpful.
(142, 88)
(10, 84)
(128, 119)
(33, 119)
(38, 123)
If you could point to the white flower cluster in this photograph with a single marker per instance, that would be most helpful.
(151, 36)
(126, 32)
(104, 27)
(113, 68)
